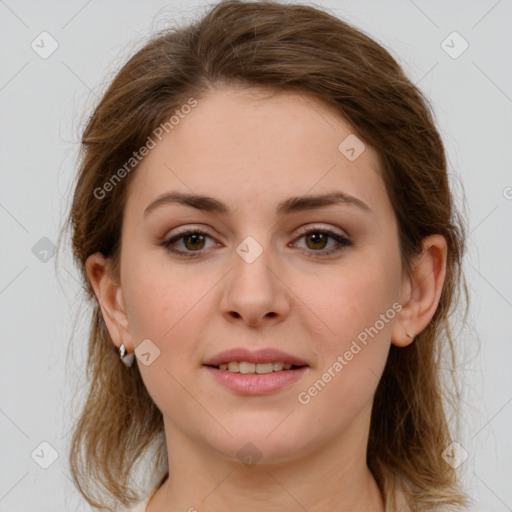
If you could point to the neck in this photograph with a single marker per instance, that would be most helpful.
(334, 477)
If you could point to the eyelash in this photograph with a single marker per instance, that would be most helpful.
(342, 241)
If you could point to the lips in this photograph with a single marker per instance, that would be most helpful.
(264, 355)
(256, 384)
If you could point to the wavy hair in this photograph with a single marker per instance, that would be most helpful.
(276, 47)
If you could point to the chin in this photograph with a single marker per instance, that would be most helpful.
(262, 443)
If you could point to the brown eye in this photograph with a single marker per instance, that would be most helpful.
(192, 241)
(316, 241)
(196, 241)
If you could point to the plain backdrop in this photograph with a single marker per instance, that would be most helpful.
(44, 101)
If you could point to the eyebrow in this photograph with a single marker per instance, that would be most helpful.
(290, 205)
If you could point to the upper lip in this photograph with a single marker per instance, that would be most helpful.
(263, 355)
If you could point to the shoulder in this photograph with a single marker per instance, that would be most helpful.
(402, 504)
(141, 506)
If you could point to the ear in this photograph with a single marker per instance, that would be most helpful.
(109, 294)
(421, 291)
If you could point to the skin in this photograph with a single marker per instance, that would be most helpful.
(251, 151)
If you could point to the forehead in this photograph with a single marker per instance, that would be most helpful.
(259, 146)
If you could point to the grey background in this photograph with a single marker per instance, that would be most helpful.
(43, 104)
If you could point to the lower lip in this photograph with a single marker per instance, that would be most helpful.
(256, 383)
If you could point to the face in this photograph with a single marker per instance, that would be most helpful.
(252, 270)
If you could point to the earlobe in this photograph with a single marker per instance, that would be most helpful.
(421, 291)
(109, 295)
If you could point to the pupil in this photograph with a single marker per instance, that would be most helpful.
(195, 237)
(318, 235)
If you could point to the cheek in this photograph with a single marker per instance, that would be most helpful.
(357, 315)
(354, 297)
(163, 305)
(170, 309)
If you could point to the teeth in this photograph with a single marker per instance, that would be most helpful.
(245, 367)
(233, 367)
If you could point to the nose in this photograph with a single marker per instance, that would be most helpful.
(254, 292)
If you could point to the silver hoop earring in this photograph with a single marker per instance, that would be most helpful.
(126, 358)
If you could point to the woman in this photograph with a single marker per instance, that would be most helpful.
(263, 221)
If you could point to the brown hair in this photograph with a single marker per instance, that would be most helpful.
(277, 47)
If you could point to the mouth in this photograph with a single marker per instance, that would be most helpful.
(247, 368)
(263, 360)
(260, 372)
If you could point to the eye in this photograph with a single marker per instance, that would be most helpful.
(193, 241)
(316, 240)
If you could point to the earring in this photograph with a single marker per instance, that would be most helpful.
(126, 358)
(409, 336)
